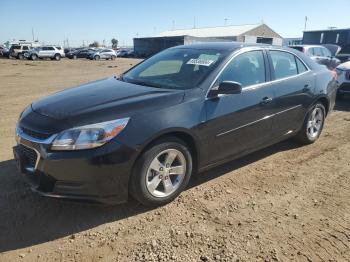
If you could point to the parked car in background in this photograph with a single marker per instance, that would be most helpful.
(3, 51)
(80, 53)
(343, 71)
(184, 110)
(18, 50)
(125, 53)
(344, 54)
(103, 54)
(52, 52)
(319, 54)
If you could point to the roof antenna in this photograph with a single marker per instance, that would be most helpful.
(194, 22)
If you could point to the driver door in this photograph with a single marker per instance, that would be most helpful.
(239, 123)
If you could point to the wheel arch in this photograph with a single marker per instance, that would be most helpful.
(184, 135)
(325, 101)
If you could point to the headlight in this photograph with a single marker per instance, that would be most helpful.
(90, 136)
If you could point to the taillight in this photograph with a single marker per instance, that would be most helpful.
(334, 74)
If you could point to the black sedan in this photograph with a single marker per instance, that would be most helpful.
(80, 53)
(182, 111)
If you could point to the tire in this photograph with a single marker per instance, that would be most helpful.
(74, 57)
(20, 56)
(96, 57)
(34, 57)
(57, 57)
(153, 186)
(313, 125)
(113, 57)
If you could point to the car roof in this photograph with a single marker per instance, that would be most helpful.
(228, 46)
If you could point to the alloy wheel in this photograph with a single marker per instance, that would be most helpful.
(166, 173)
(315, 123)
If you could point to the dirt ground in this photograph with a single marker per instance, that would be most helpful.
(283, 203)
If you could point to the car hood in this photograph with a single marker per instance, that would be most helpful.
(105, 100)
(344, 66)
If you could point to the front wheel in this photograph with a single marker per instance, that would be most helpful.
(313, 125)
(97, 57)
(34, 57)
(162, 172)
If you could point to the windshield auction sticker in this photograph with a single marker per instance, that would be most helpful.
(200, 62)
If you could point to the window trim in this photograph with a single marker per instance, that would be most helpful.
(240, 52)
(266, 52)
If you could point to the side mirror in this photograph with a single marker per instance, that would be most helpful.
(226, 88)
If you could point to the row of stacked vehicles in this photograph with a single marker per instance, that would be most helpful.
(34, 51)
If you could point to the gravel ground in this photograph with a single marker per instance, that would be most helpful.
(283, 203)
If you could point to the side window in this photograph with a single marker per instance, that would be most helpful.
(326, 52)
(310, 52)
(50, 48)
(247, 69)
(318, 51)
(301, 67)
(25, 48)
(284, 64)
(44, 48)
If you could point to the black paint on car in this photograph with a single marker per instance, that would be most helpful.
(182, 111)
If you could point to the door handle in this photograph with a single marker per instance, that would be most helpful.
(266, 100)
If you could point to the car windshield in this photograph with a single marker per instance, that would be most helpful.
(177, 68)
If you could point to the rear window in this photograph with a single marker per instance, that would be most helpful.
(58, 47)
(15, 47)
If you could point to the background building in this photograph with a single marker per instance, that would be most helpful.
(339, 37)
(255, 33)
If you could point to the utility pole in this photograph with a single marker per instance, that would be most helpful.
(33, 33)
(305, 23)
(225, 21)
(194, 22)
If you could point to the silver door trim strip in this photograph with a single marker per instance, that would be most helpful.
(266, 83)
(256, 121)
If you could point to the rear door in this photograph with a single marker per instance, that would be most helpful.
(241, 122)
(292, 84)
(50, 51)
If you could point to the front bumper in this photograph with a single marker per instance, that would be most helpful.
(99, 175)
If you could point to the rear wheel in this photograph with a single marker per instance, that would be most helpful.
(20, 56)
(97, 57)
(57, 57)
(113, 57)
(161, 173)
(313, 125)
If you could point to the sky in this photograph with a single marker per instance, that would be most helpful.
(85, 21)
